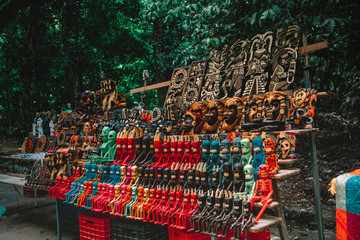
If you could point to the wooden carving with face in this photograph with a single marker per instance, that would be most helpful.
(252, 108)
(199, 109)
(275, 105)
(302, 110)
(233, 114)
(188, 124)
(214, 116)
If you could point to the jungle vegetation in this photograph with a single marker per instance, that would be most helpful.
(51, 50)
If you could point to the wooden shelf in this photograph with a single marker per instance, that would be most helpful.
(19, 159)
(302, 131)
(150, 87)
(272, 205)
(12, 180)
(264, 223)
(287, 161)
(286, 173)
(224, 135)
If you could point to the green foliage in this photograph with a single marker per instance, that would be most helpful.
(51, 50)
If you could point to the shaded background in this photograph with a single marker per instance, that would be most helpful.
(52, 50)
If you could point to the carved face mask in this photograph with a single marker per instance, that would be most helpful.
(214, 148)
(212, 116)
(285, 148)
(237, 145)
(112, 137)
(275, 105)
(230, 114)
(257, 144)
(299, 98)
(264, 171)
(104, 134)
(189, 122)
(245, 146)
(225, 146)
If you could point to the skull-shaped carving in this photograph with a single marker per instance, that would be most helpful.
(275, 105)
(134, 172)
(253, 108)
(264, 170)
(285, 145)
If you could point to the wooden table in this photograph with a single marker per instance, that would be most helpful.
(16, 181)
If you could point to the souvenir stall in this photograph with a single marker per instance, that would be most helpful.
(205, 165)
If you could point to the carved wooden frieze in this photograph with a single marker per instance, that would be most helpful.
(235, 69)
(177, 83)
(285, 56)
(192, 88)
(213, 77)
(173, 101)
(260, 53)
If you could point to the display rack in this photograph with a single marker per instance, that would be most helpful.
(279, 219)
(286, 165)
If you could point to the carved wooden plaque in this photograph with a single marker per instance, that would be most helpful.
(260, 53)
(235, 69)
(178, 81)
(192, 88)
(285, 56)
(213, 77)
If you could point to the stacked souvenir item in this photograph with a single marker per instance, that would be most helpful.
(202, 163)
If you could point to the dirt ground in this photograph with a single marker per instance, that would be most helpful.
(23, 220)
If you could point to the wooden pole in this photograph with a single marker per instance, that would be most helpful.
(314, 164)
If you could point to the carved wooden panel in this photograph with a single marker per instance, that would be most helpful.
(192, 88)
(260, 53)
(235, 69)
(173, 101)
(285, 56)
(213, 77)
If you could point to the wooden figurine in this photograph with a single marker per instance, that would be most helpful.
(40, 130)
(263, 191)
(246, 152)
(271, 158)
(233, 114)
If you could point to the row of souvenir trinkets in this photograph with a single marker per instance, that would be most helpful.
(211, 192)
